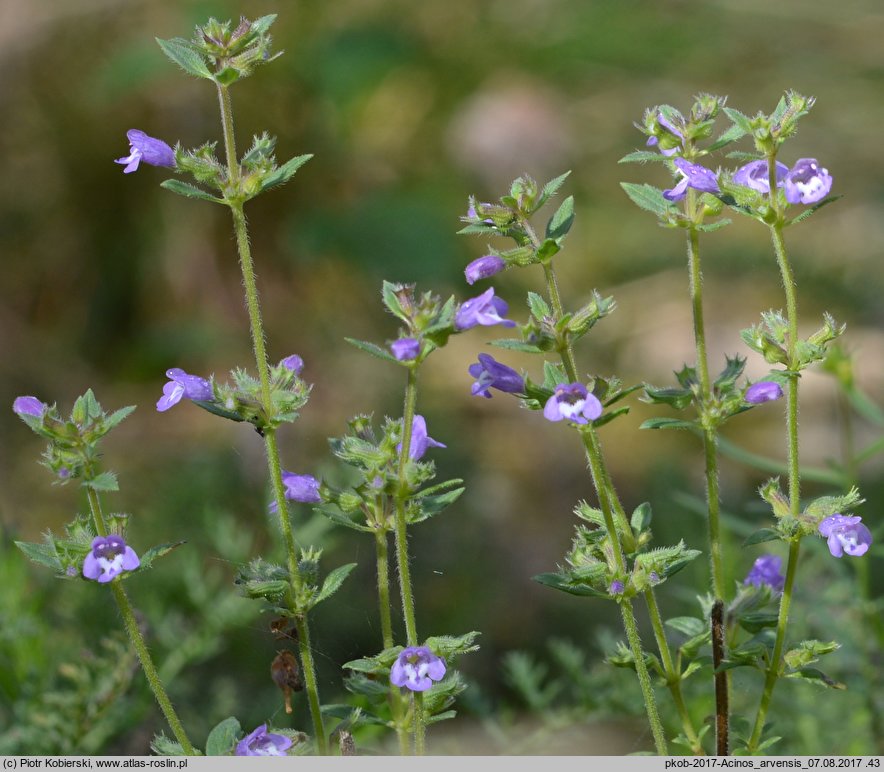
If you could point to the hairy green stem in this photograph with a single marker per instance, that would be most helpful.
(382, 561)
(240, 227)
(138, 642)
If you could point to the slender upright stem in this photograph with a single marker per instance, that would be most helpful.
(253, 305)
(137, 640)
(380, 541)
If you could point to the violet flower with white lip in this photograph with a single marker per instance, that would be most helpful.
(406, 349)
(110, 556)
(845, 533)
(483, 267)
(32, 406)
(755, 175)
(293, 363)
(763, 391)
(263, 743)
(148, 149)
(807, 182)
(766, 571)
(485, 310)
(693, 176)
(491, 374)
(182, 385)
(572, 402)
(416, 668)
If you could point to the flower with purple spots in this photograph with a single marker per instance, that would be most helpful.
(483, 267)
(293, 363)
(766, 571)
(148, 149)
(845, 533)
(572, 402)
(31, 406)
(485, 309)
(110, 556)
(755, 175)
(182, 385)
(692, 176)
(491, 374)
(406, 349)
(807, 182)
(416, 668)
(263, 743)
(763, 391)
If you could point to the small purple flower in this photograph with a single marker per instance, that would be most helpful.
(807, 182)
(572, 402)
(483, 267)
(755, 175)
(845, 533)
(653, 141)
(766, 570)
(693, 176)
(406, 349)
(182, 385)
(420, 440)
(29, 406)
(763, 391)
(491, 374)
(148, 149)
(263, 743)
(485, 309)
(109, 557)
(293, 363)
(299, 487)
(473, 215)
(617, 587)
(416, 668)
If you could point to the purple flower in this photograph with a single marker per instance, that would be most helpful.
(766, 570)
(263, 743)
(293, 363)
(182, 385)
(653, 141)
(416, 668)
(572, 401)
(109, 557)
(472, 215)
(491, 374)
(299, 487)
(693, 176)
(483, 267)
(406, 349)
(807, 182)
(755, 175)
(763, 391)
(420, 440)
(845, 533)
(29, 406)
(484, 309)
(148, 149)
(617, 587)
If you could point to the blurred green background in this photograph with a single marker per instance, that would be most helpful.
(108, 280)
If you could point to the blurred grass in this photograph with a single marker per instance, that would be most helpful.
(109, 280)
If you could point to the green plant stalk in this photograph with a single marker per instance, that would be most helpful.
(138, 642)
(401, 533)
(605, 492)
(380, 541)
(240, 227)
(671, 673)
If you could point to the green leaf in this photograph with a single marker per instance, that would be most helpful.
(551, 188)
(609, 416)
(185, 56)
(433, 505)
(223, 737)
(215, 409)
(712, 226)
(447, 646)
(189, 191)
(338, 517)
(333, 582)
(648, 197)
(159, 551)
(284, 173)
(731, 135)
(762, 535)
(641, 517)
(44, 554)
(814, 676)
(561, 582)
(391, 301)
(758, 620)
(516, 345)
(560, 223)
(642, 156)
(106, 481)
(373, 349)
(441, 716)
(539, 307)
(117, 417)
(667, 423)
(741, 121)
(812, 210)
(689, 626)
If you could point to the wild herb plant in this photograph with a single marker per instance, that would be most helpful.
(410, 683)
